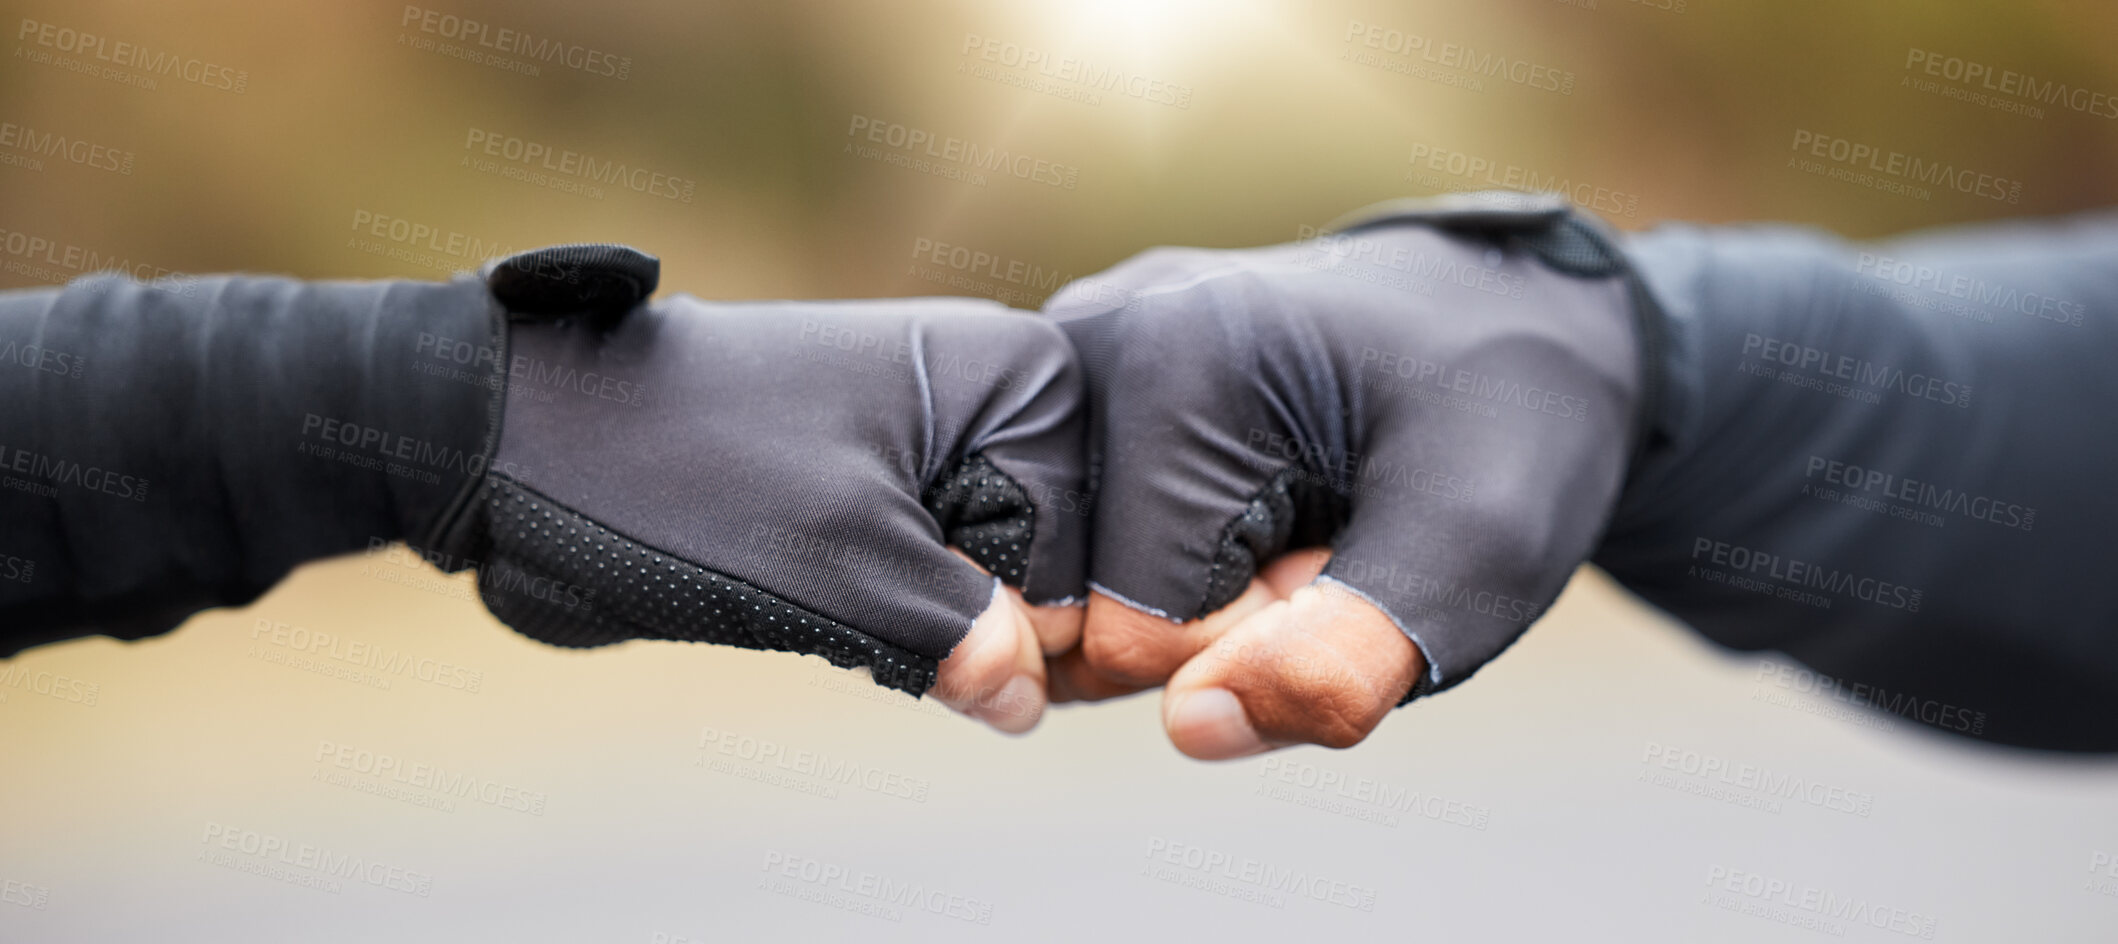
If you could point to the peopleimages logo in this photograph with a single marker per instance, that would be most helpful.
(1416, 49)
(327, 653)
(1863, 378)
(1921, 494)
(426, 237)
(771, 756)
(1805, 905)
(1711, 771)
(525, 156)
(1361, 798)
(56, 261)
(1348, 472)
(1413, 369)
(1965, 287)
(1860, 160)
(528, 373)
(900, 351)
(1427, 269)
(43, 359)
(389, 770)
(376, 442)
(926, 146)
(1432, 167)
(515, 42)
(1246, 878)
(270, 854)
(47, 473)
(870, 892)
(46, 143)
(1792, 572)
(1802, 680)
(978, 262)
(49, 684)
(2008, 82)
(130, 63)
(1080, 77)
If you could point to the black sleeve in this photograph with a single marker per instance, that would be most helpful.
(172, 446)
(1894, 462)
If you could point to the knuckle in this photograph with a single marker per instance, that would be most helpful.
(1323, 703)
(1127, 648)
(1058, 629)
(1025, 342)
(1339, 736)
(1335, 722)
(1033, 338)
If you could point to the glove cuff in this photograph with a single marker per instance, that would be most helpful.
(1572, 242)
(600, 281)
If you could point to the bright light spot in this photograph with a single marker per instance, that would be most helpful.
(1145, 33)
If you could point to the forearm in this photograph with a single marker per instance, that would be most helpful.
(174, 446)
(1891, 462)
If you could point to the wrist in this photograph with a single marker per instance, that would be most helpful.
(349, 413)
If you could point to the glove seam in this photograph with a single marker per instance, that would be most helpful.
(1429, 680)
(1649, 325)
(450, 532)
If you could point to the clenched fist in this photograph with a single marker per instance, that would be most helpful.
(1438, 405)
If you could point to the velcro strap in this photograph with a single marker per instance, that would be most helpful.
(599, 280)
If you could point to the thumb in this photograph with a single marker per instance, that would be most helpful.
(996, 673)
(1324, 666)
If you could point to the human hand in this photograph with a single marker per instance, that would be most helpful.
(1431, 397)
(782, 475)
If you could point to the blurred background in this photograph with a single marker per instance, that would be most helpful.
(365, 754)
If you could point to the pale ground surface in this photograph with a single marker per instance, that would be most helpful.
(1065, 834)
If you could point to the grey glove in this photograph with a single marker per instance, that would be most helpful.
(773, 475)
(1447, 394)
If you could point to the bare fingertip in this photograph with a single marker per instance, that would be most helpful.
(1210, 724)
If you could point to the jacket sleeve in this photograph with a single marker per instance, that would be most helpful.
(1895, 463)
(171, 446)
